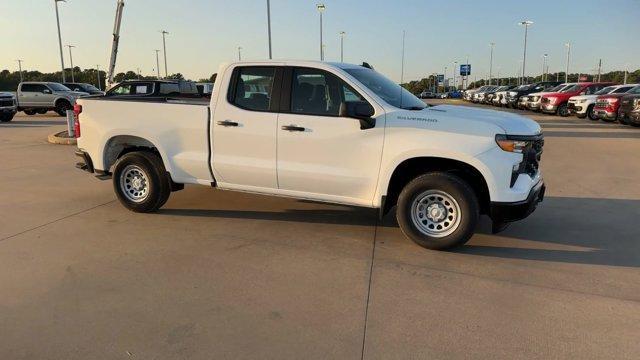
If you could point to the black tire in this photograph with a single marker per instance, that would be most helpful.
(30, 112)
(6, 117)
(157, 181)
(590, 114)
(62, 106)
(622, 120)
(449, 185)
(563, 110)
(42, 111)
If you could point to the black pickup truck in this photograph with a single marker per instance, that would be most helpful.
(153, 89)
(513, 96)
(629, 112)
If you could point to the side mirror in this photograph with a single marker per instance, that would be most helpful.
(360, 110)
(46, 91)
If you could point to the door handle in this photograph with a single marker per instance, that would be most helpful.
(227, 123)
(293, 128)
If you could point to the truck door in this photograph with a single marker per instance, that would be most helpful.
(244, 128)
(321, 154)
(31, 95)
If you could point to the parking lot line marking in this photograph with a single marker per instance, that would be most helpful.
(366, 308)
(56, 220)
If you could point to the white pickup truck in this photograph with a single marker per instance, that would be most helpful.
(328, 132)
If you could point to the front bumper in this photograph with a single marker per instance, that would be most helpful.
(606, 115)
(576, 109)
(533, 106)
(549, 108)
(522, 103)
(502, 212)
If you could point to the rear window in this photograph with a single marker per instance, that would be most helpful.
(253, 88)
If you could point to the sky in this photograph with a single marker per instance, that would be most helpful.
(204, 33)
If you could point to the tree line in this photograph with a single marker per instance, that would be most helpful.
(9, 80)
(427, 84)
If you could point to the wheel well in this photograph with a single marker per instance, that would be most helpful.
(60, 101)
(119, 145)
(412, 168)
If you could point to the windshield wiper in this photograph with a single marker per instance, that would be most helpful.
(414, 108)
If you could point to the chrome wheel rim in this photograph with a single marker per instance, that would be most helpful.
(134, 183)
(435, 213)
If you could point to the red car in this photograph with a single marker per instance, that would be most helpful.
(556, 103)
(606, 107)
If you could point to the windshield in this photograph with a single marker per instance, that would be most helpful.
(606, 90)
(635, 90)
(89, 87)
(557, 88)
(622, 90)
(58, 87)
(523, 87)
(390, 92)
(571, 88)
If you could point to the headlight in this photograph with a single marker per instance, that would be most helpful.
(511, 143)
(512, 93)
(552, 99)
(636, 104)
(581, 101)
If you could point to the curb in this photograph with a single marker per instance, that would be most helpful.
(61, 138)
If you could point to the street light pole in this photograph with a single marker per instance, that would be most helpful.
(239, 53)
(73, 79)
(164, 46)
(492, 45)
(402, 66)
(269, 26)
(60, 39)
(157, 63)
(20, 68)
(321, 9)
(342, 33)
(526, 24)
(455, 66)
(98, 75)
(544, 66)
(566, 74)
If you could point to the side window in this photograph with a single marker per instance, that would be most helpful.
(142, 89)
(28, 88)
(39, 88)
(169, 89)
(124, 89)
(317, 92)
(253, 88)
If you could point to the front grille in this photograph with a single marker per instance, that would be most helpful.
(602, 103)
(545, 101)
(534, 98)
(6, 102)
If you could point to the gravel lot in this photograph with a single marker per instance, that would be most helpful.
(228, 275)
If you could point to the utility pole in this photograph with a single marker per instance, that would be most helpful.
(491, 61)
(455, 66)
(321, 8)
(599, 69)
(114, 45)
(526, 24)
(20, 68)
(402, 65)
(566, 74)
(342, 34)
(626, 72)
(157, 63)
(73, 79)
(269, 27)
(60, 39)
(164, 46)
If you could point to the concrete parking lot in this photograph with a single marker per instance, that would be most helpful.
(228, 275)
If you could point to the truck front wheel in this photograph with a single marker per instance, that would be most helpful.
(438, 211)
(141, 182)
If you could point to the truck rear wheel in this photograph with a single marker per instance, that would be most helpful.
(438, 211)
(141, 182)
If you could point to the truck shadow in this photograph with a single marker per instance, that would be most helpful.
(593, 231)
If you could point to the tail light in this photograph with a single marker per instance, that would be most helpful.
(77, 110)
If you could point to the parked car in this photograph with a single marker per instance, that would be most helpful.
(479, 96)
(154, 89)
(500, 94)
(468, 94)
(427, 95)
(83, 87)
(40, 97)
(582, 105)
(606, 106)
(455, 94)
(8, 106)
(532, 101)
(490, 95)
(514, 96)
(557, 102)
(629, 112)
(337, 133)
(205, 89)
